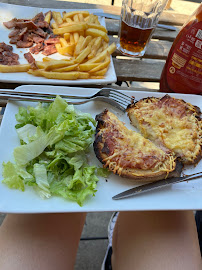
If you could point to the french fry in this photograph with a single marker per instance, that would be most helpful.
(14, 68)
(81, 18)
(95, 47)
(76, 18)
(48, 17)
(57, 64)
(65, 24)
(88, 67)
(102, 65)
(46, 59)
(83, 55)
(111, 48)
(84, 75)
(65, 69)
(72, 13)
(63, 42)
(97, 21)
(91, 18)
(100, 50)
(71, 38)
(54, 25)
(36, 72)
(76, 37)
(105, 45)
(100, 72)
(71, 28)
(97, 33)
(82, 33)
(69, 20)
(67, 36)
(96, 77)
(78, 46)
(86, 19)
(99, 58)
(40, 64)
(97, 26)
(91, 43)
(57, 17)
(72, 75)
(67, 50)
(85, 42)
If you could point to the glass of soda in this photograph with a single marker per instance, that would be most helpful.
(138, 20)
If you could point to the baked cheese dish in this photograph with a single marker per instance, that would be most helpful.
(170, 123)
(128, 154)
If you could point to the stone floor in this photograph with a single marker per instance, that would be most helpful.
(91, 252)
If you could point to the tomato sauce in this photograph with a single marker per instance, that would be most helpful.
(182, 72)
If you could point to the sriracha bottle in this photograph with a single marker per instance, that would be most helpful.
(182, 72)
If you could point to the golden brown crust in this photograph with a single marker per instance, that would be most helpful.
(170, 123)
(129, 154)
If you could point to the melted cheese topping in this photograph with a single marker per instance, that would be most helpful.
(170, 122)
(125, 148)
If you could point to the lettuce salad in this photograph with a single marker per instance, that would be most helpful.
(52, 156)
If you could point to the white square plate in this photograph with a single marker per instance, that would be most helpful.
(8, 12)
(176, 197)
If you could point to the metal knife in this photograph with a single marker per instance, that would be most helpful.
(117, 17)
(155, 185)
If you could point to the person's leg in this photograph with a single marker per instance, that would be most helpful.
(40, 241)
(155, 241)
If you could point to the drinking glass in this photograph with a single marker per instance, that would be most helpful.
(138, 20)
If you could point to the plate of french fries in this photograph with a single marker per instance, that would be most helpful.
(83, 54)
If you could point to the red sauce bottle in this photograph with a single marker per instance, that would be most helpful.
(182, 72)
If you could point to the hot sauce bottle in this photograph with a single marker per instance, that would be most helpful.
(182, 72)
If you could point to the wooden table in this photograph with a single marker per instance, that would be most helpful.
(146, 69)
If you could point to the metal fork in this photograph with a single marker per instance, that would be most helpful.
(108, 95)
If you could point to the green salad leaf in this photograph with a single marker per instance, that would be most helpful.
(52, 156)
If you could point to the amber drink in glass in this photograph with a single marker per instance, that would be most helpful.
(138, 21)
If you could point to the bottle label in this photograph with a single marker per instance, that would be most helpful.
(184, 68)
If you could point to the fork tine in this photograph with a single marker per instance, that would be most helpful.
(111, 102)
(122, 103)
(121, 98)
(120, 93)
(112, 92)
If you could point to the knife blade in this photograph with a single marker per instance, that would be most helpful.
(117, 17)
(155, 185)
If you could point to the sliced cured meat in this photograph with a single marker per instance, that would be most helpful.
(10, 24)
(37, 39)
(6, 47)
(7, 57)
(28, 32)
(53, 40)
(38, 18)
(24, 44)
(37, 48)
(50, 49)
(14, 33)
(29, 24)
(30, 59)
(40, 32)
